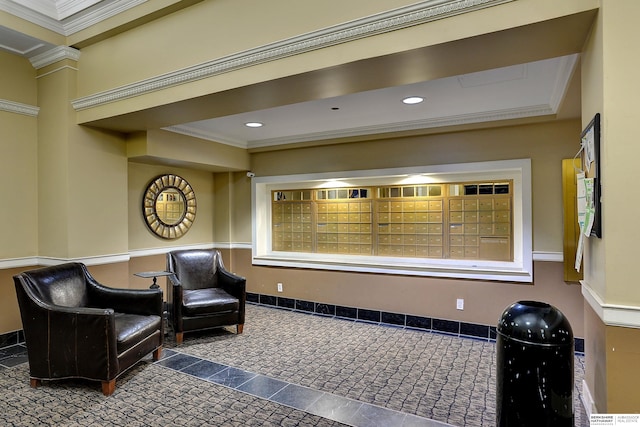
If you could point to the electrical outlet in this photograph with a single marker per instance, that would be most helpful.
(460, 304)
(279, 287)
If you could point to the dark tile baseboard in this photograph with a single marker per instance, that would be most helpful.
(11, 338)
(443, 326)
(428, 324)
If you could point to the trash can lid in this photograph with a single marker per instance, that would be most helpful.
(535, 322)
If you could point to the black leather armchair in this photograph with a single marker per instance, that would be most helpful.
(75, 327)
(203, 294)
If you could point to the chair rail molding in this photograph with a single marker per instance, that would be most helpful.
(611, 314)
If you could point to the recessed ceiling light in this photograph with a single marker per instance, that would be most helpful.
(254, 124)
(413, 100)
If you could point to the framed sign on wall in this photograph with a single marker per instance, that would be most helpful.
(590, 157)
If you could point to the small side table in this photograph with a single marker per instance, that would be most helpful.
(154, 285)
(154, 275)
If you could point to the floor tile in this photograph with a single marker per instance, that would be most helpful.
(375, 416)
(166, 353)
(297, 396)
(231, 377)
(203, 369)
(415, 421)
(13, 350)
(178, 361)
(262, 386)
(335, 408)
(13, 356)
(14, 360)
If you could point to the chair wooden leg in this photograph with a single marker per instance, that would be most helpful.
(179, 337)
(157, 354)
(108, 387)
(240, 327)
(34, 382)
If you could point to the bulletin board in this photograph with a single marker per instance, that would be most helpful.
(591, 188)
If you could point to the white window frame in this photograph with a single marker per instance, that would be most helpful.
(518, 270)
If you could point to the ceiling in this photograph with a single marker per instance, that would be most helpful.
(534, 89)
(520, 91)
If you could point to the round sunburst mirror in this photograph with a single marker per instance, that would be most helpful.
(169, 206)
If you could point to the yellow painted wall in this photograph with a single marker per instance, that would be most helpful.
(18, 82)
(19, 177)
(81, 176)
(186, 150)
(233, 208)
(592, 103)
(545, 144)
(620, 148)
(18, 160)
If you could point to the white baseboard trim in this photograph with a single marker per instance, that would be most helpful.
(137, 253)
(548, 256)
(93, 260)
(48, 261)
(160, 251)
(626, 316)
(587, 400)
(18, 262)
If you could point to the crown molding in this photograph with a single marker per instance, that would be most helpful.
(565, 72)
(99, 14)
(75, 16)
(38, 18)
(57, 9)
(66, 8)
(195, 132)
(19, 108)
(54, 55)
(416, 14)
(22, 52)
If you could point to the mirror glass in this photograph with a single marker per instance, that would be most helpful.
(169, 206)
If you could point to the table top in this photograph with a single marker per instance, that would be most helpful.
(150, 274)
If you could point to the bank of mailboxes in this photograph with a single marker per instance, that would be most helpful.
(478, 227)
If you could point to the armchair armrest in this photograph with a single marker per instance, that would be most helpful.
(235, 285)
(175, 290)
(175, 281)
(133, 301)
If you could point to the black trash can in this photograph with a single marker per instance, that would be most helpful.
(535, 358)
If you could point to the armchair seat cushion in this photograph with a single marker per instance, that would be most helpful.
(202, 302)
(133, 328)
